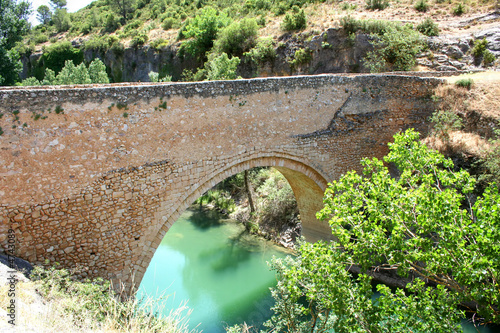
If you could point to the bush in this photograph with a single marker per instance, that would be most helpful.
(421, 6)
(379, 27)
(139, 40)
(31, 81)
(295, 21)
(56, 55)
(479, 47)
(465, 83)
(111, 23)
(168, 23)
(221, 67)
(262, 52)
(488, 58)
(159, 43)
(301, 56)
(237, 38)
(428, 27)
(445, 122)
(459, 9)
(132, 26)
(377, 4)
(93, 305)
(41, 38)
(395, 50)
(202, 31)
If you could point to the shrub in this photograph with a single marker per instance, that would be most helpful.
(379, 27)
(421, 6)
(139, 40)
(488, 58)
(445, 122)
(55, 56)
(61, 20)
(202, 31)
(31, 81)
(132, 26)
(168, 23)
(93, 305)
(154, 76)
(221, 67)
(301, 56)
(465, 83)
(428, 27)
(159, 43)
(41, 38)
(459, 9)
(111, 23)
(377, 4)
(237, 38)
(395, 50)
(295, 21)
(479, 47)
(262, 52)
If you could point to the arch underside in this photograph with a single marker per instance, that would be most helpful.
(306, 182)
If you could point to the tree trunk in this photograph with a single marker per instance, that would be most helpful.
(249, 192)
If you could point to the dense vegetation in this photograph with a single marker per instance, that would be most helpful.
(203, 31)
(261, 198)
(423, 225)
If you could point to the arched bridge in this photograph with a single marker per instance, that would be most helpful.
(95, 175)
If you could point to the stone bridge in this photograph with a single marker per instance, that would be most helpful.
(94, 176)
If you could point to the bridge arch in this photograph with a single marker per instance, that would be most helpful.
(307, 182)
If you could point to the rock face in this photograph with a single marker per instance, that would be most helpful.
(452, 53)
(333, 51)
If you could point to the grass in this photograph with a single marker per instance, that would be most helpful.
(54, 302)
(483, 100)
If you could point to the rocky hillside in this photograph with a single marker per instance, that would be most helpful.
(153, 36)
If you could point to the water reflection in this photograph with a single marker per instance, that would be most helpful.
(218, 267)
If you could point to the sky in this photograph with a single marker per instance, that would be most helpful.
(73, 6)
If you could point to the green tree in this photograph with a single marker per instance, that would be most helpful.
(58, 4)
(97, 72)
(71, 74)
(414, 225)
(13, 25)
(123, 8)
(13, 22)
(237, 38)
(221, 67)
(61, 19)
(202, 31)
(44, 14)
(10, 66)
(395, 49)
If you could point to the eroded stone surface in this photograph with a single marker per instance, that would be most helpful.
(101, 179)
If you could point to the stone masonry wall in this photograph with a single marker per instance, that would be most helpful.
(94, 176)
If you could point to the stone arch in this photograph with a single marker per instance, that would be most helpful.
(307, 183)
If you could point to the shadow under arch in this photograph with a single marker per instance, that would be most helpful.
(307, 183)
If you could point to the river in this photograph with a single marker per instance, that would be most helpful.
(220, 270)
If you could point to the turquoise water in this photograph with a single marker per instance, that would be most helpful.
(217, 267)
(220, 271)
